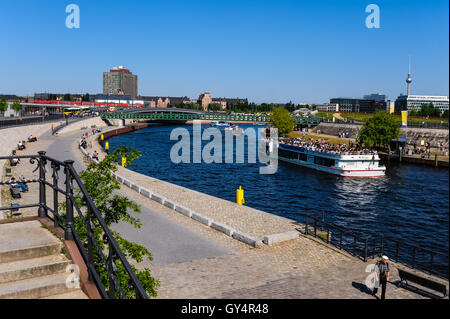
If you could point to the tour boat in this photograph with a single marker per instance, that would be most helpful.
(342, 164)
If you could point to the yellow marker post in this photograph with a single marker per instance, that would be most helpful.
(124, 161)
(106, 146)
(102, 137)
(240, 196)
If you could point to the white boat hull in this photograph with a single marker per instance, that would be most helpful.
(377, 172)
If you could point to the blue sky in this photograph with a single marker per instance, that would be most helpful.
(274, 51)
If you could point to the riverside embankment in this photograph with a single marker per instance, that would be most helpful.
(193, 260)
(435, 137)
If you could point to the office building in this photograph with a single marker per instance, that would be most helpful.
(415, 102)
(120, 80)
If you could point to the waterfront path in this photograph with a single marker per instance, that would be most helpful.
(195, 261)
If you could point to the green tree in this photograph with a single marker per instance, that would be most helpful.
(101, 185)
(445, 114)
(3, 105)
(214, 107)
(282, 120)
(86, 98)
(379, 131)
(16, 106)
(68, 97)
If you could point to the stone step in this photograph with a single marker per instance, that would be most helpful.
(77, 294)
(31, 268)
(32, 288)
(26, 240)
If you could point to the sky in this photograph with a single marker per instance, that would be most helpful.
(266, 51)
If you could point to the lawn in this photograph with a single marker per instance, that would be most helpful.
(360, 117)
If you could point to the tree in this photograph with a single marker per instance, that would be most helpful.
(379, 131)
(68, 97)
(100, 184)
(282, 120)
(445, 114)
(3, 105)
(214, 107)
(16, 106)
(86, 98)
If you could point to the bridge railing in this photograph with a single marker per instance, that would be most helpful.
(172, 116)
(97, 259)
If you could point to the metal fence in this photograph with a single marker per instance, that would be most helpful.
(367, 247)
(90, 218)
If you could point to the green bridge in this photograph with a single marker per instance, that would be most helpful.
(185, 116)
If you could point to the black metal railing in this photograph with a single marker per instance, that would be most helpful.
(90, 219)
(367, 247)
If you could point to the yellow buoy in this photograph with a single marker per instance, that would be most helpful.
(107, 146)
(240, 196)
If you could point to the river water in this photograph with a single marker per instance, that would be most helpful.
(411, 203)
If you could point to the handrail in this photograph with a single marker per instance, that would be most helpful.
(374, 246)
(113, 251)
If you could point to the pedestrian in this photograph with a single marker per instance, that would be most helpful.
(383, 272)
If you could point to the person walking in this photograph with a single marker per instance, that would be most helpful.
(383, 272)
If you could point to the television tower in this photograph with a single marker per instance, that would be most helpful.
(409, 79)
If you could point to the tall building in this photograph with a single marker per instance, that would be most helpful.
(120, 80)
(415, 102)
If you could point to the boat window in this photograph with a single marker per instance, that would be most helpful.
(324, 161)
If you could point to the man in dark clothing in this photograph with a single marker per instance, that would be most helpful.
(383, 273)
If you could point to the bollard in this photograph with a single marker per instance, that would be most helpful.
(102, 137)
(240, 196)
(107, 146)
(124, 161)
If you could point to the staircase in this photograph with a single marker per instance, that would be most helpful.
(32, 265)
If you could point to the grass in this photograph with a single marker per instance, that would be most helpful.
(364, 117)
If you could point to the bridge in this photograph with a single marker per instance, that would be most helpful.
(182, 115)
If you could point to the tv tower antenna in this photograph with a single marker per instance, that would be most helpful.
(409, 79)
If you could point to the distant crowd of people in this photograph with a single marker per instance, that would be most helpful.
(323, 146)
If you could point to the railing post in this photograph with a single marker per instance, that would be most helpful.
(315, 227)
(397, 244)
(365, 249)
(55, 195)
(306, 225)
(431, 261)
(382, 245)
(68, 235)
(90, 233)
(42, 211)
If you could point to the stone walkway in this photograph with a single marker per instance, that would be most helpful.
(300, 268)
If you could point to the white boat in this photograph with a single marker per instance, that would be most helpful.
(219, 124)
(342, 164)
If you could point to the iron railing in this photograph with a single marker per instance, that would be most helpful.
(368, 247)
(90, 219)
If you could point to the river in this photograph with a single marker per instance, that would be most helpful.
(411, 203)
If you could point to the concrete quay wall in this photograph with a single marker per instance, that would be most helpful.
(413, 135)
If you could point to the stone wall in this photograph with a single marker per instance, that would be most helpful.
(413, 135)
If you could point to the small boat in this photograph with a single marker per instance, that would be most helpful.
(220, 124)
